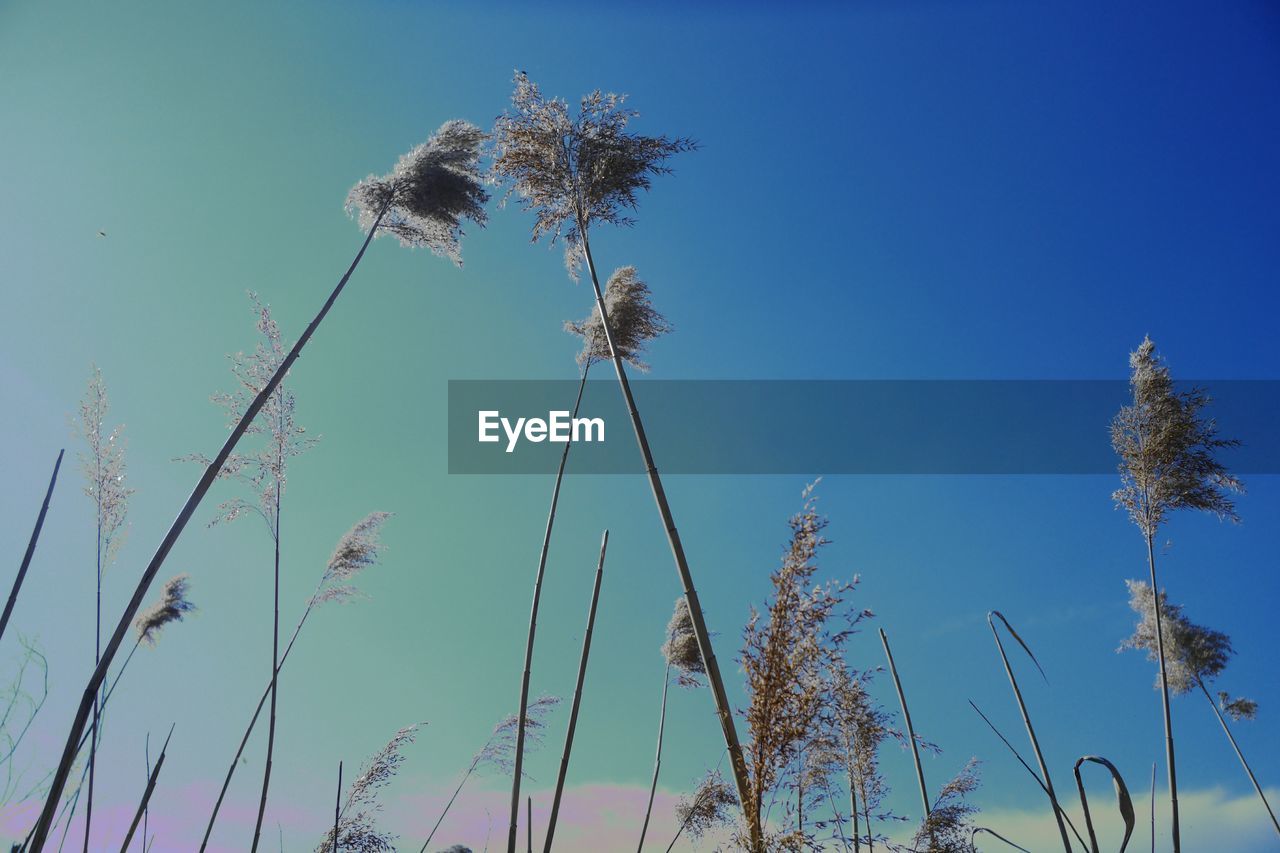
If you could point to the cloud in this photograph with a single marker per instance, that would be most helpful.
(1211, 818)
(608, 816)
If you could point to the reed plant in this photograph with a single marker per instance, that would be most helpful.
(172, 606)
(1194, 657)
(572, 173)
(638, 323)
(948, 827)
(1168, 461)
(422, 202)
(498, 752)
(357, 550)
(680, 652)
(786, 654)
(356, 825)
(263, 471)
(104, 471)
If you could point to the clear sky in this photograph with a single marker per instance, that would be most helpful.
(927, 190)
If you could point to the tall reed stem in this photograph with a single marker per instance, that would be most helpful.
(1164, 697)
(523, 712)
(1240, 755)
(577, 696)
(97, 655)
(1026, 720)
(906, 716)
(723, 710)
(31, 548)
(275, 667)
(657, 758)
(244, 740)
(146, 796)
(337, 809)
(202, 487)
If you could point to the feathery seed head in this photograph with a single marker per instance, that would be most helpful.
(428, 193)
(171, 607)
(1238, 708)
(709, 807)
(1193, 653)
(633, 321)
(1167, 448)
(575, 171)
(681, 647)
(358, 549)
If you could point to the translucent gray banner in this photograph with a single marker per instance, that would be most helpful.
(829, 426)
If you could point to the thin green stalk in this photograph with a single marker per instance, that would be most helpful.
(523, 712)
(31, 548)
(202, 487)
(657, 758)
(577, 696)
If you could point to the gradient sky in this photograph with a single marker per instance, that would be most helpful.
(993, 190)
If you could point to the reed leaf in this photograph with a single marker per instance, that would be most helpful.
(1123, 801)
(981, 829)
(1026, 717)
(31, 548)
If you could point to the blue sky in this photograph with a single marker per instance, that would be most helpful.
(990, 190)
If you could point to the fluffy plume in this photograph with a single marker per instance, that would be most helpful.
(103, 466)
(681, 647)
(1238, 708)
(575, 171)
(428, 193)
(708, 808)
(861, 726)
(786, 658)
(632, 320)
(357, 831)
(498, 752)
(171, 607)
(1192, 652)
(1167, 448)
(948, 828)
(358, 549)
(261, 471)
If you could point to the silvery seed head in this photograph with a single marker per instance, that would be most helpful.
(633, 322)
(423, 200)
